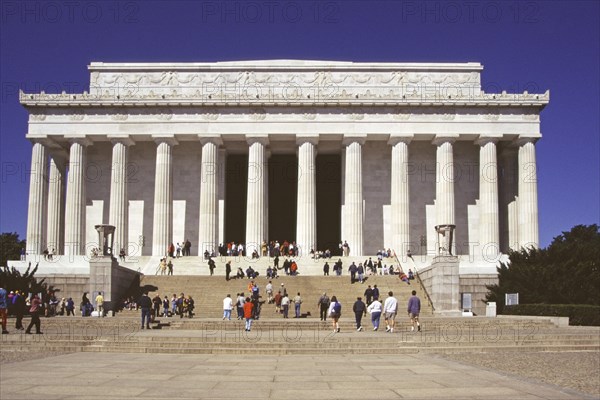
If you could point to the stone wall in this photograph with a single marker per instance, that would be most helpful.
(476, 285)
(70, 285)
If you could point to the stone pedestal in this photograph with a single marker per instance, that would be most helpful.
(445, 286)
(113, 281)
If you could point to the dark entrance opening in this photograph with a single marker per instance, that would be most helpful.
(236, 189)
(329, 201)
(283, 189)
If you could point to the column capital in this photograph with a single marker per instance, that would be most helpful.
(79, 139)
(349, 139)
(262, 139)
(395, 139)
(124, 139)
(168, 139)
(441, 139)
(482, 140)
(521, 140)
(216, 139)
(312, 139)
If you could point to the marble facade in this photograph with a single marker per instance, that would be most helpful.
(421, 146)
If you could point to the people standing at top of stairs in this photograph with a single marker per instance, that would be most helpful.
(122, 254)
(264, 248)
(346, 249)
(187, 247)
(162, 266)
(171, 250)
(326, 269)
(100, 304)
(178, 250)
(170, 268)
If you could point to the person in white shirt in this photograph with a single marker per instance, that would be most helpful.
(269, 289)
(375, 310)
(390, 308)
(227, 307)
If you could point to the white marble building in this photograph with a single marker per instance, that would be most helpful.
(407, 146)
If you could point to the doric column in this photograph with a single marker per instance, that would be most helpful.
(208, 232)
(400, 195)
(528, 203)
(257, 191)
(306, 217)
(221, 194)
(37, 208)
(119, 200)
(76, 197)
(489, 228)
(444, 194)
(162, 231)
(55, 205)
(353, 194)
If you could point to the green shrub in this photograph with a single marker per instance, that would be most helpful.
(579, 314)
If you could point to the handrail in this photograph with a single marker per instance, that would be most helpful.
(416, 273)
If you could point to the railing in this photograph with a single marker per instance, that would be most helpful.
(418, 278)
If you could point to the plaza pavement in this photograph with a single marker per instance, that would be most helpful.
(112, 376)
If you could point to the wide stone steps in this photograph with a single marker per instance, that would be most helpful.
(208, 292)
(276, 336)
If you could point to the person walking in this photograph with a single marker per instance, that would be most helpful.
(414, 308)
(323, 305)
(368, 295)
(248, 306)
(390, 308)
(3, 309)
(297, 303)
(146, 307)
(375, 310)
(335, 312)
(360, 310)
(20, 306)
(227, 307)
(34, 311)
(241, 300)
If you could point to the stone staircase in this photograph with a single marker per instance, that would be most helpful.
(275, 336)
(208, 292)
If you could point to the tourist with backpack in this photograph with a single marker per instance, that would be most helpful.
(335, 312)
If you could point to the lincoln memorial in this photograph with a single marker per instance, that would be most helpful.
(405, 156)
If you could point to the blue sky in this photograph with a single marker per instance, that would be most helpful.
(523, 45)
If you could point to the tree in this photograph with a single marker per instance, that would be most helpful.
(12, 279)
(10, 247)
(566, 272)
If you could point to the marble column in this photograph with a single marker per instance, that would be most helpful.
(528, 203)
(37, 207)
(119, 199)
(162, 229)
(257, 191)
(221, 194)
(353, 195)
(76, 198)
(489, 228)
(208, 232)
(55, 205)
(400, 195)
(444, 194)
(306, 217)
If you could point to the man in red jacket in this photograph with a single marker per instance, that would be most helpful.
(248, 313)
